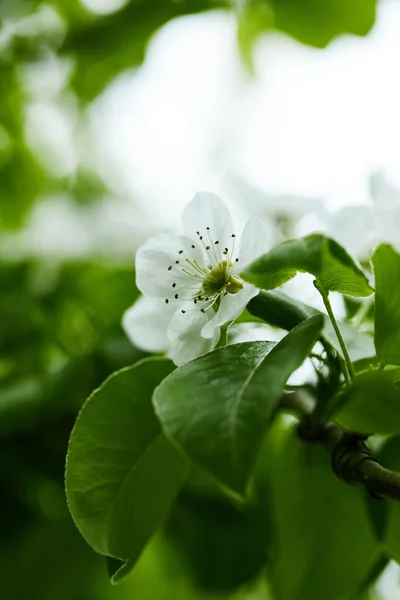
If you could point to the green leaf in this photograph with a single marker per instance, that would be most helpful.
(280, 310)
(313, 22)
(316, 254)
(317, 22)
(386, 263)
(324, 546)
(218, 407)
(105, 46)
(222, 546)
(371, 404)
(389, 457)
(122, 475)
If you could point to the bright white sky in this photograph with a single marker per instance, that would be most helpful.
(311, 122)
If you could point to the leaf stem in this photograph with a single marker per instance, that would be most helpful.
(325, 297)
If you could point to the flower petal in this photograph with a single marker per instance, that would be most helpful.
(159, 264)
(253, 242)
(208, 215)
(184, 333)
(231, 307)
(145, 323)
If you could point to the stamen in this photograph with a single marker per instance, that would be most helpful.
(195, 265)
(217, 242)
(183, 311)
(180, 252)
(169, 268)
(166, 300)
(193, 246)
(177, 262)
(233, 248)
(176, 296)
(174, 285)
(215, 257)
(192, 274)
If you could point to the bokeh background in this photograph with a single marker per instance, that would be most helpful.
(113, 114)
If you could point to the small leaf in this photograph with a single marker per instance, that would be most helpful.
(316, 254)
(122, 475)
(322, 527)
(387, 304)
(217, 408)
(371, 404)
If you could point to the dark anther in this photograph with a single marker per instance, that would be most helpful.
(174, 285)
(217, 242)
(207, 247)
(177, 262)
(183, 311)
(233, 235)
(176, 296)
(203, 310)
(169, 268)
(193, 246)
(236, 260)
(201, 237)
(208, 229)
(198, 232)
(195, 300)
(166, 300)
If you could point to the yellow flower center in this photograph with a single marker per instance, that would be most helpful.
(220, 280)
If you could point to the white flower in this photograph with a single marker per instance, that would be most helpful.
(190, 283)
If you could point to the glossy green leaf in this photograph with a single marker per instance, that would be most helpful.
(217, 408)
(316, 254)
(122, 475)
(324, 545)
(389, 457)
(386, 263)
(371, 404)
(280, 310)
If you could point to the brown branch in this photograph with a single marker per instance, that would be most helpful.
(351, 459)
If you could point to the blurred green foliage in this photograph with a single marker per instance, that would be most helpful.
(99, 47)
(60, 333)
